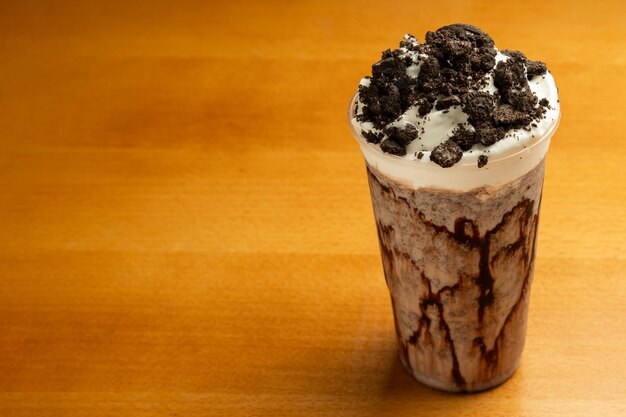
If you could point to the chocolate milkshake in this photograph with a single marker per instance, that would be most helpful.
(454, 133)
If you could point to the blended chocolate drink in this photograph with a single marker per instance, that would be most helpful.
(454, 133)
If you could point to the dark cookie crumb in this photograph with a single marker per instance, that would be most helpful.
(447, 102)
(535, 68)
(424, 106)
(521, 99)
(482, 161)
(446, 154)
(511, 53)
(428, 78)
(403, 136)
(479, 107)
(420, 155)
(507, 116)
(488, 134)
(510, 74)
(463, 137)
(462, 48)
(372, 137)
(392, 147)
(390, 90)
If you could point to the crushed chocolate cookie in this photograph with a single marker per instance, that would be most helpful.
(446, 154)
(482, 161)
(453, 63)
(511, 81)
(458, 57)
(392, 147)
(479, 107)
(507, 116)
(420, 155)
(535, 68)
(462, 48)
(447, 102)
(510, 74)
(488, 134)
(514, 54)
(463, 137)
(425, 106)
(521, 99)
(372, 137)
(403, 136)
(429, 76)
(389, 92)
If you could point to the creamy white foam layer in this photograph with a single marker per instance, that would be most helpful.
(462, 176)
(527, 146)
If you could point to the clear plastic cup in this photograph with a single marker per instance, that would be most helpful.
(458, 249)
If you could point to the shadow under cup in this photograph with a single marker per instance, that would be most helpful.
(458, 248)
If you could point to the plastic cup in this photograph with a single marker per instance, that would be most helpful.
(458, 250)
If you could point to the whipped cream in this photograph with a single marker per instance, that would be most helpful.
(509, 158)
(439, 124)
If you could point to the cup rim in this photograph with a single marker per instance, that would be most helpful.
(536, 142)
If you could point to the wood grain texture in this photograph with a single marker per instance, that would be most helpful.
(185, 225)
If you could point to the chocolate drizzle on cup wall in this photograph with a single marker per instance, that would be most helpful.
(454, 63)
(460, 294)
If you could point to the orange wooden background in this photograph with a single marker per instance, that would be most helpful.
(185, 225)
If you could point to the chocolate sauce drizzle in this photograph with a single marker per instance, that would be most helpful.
(465, 232)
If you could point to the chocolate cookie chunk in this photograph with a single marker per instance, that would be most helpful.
(447, 102)
(392, 147)
(507, 116)
(429, 79)
(535, 68)
(403, 136)
(389, 92)
(479, 107)
(488, 134)
(464, 138)
(510, 74)
(372, 137)
(446, 154)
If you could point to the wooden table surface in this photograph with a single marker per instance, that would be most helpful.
(185, 224)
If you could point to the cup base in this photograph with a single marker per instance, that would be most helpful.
(455, 388)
